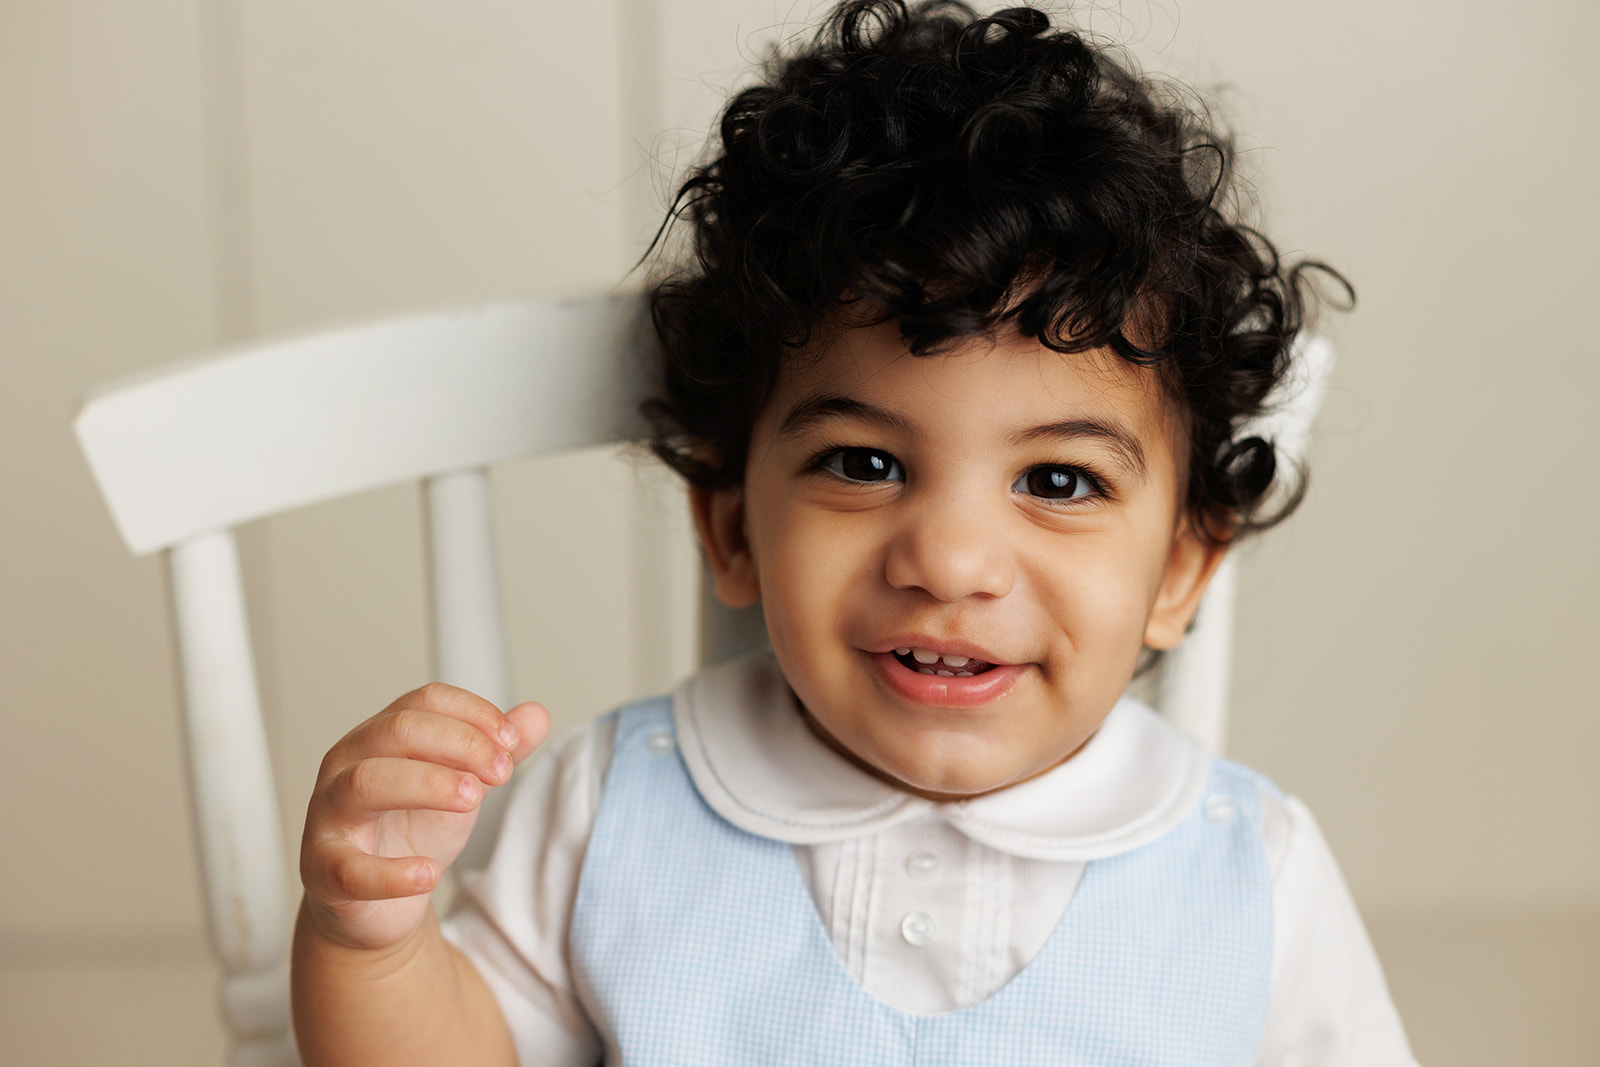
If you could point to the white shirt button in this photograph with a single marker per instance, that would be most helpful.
(660, 742)
(1220, 808)
(918, 928)
(922, 865)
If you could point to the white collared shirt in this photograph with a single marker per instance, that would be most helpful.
(933, 907)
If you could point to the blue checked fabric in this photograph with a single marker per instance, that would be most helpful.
(696, 943)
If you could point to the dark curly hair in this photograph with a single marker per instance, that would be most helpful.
(962, 175)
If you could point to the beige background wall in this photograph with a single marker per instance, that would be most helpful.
(174, 174)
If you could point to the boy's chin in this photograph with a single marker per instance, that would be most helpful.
(951, 792)
(967, 781)
(936, 772)
(966, 774)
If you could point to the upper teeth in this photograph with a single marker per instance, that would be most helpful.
(928, 657)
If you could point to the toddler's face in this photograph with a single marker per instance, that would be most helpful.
(1008, 514)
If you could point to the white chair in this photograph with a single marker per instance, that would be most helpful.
(187, 452)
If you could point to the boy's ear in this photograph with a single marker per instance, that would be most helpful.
(1190, 565)
(719, 519)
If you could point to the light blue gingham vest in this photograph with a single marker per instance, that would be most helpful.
(696, 944)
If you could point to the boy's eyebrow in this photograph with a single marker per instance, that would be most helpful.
(1120, 441)
(825, 406)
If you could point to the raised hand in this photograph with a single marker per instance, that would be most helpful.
(394, 803)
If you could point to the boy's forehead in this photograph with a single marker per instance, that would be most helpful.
(1015, 379)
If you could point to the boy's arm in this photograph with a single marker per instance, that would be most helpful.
(1330, 1005)
(417, 1002)
(372, 977)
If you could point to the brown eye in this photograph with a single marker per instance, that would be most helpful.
(1054, 483)
(865, 465)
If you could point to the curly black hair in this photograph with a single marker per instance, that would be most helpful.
(962, 175)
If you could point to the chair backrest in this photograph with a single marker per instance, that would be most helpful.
(187, 452)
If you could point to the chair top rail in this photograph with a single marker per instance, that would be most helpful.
(209, 443)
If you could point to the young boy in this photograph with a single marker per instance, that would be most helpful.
(957, 377)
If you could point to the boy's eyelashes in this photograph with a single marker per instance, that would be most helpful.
(1053, 482)
(863, 465)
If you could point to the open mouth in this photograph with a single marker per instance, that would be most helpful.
(924, 661)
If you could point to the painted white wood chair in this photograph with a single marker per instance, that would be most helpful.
(187, 452)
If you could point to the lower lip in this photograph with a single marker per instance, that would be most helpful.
(939, 691)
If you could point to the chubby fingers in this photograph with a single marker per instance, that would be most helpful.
(386, 783)
(532, 723)
(437, 724)
(435, 749)
(346, 873)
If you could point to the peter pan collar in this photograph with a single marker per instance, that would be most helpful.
(757, 765)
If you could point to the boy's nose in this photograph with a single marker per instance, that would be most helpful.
(950, 553)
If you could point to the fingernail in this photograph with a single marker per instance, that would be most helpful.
(502, 765)
(424, 876)
(509, 735)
